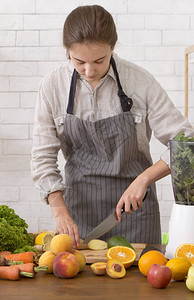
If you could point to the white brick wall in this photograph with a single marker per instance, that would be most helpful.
(153, 34)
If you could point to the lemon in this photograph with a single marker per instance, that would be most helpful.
(47, 238)
(43, 238)
(179, 267)
(47, 247)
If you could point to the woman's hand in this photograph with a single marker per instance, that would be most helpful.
(131, 198)
(134, 194)
(64, 222)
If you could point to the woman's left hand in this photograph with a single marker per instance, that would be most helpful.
(134, 194)
(131, 198)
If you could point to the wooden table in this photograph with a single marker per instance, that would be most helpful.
(87, 286)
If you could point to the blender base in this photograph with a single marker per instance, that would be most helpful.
(181, 228)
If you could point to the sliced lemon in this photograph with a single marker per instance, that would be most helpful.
(47, 247)
(41, 240)
(47, 238)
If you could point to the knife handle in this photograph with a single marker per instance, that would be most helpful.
(123, 208)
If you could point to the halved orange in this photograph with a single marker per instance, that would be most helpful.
(187, 251)
(124, 254)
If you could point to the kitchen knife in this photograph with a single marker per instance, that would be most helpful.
(105, 226)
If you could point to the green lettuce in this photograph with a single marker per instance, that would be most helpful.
(13, 230)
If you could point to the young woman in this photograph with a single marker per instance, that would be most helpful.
(100, 110)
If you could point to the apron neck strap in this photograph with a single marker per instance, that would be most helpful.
(126, 102)
(72, 92)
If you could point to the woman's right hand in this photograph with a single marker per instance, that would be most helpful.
(64, 222)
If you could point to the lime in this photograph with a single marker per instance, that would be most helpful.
(118, 241)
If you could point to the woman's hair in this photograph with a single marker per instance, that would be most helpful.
(87, 24)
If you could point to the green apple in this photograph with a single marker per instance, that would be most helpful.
(191, 272)
(190, 279)
(190, 283)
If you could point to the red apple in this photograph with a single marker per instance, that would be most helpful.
(159, 276)
(65, 265)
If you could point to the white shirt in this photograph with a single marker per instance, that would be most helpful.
(152, 110)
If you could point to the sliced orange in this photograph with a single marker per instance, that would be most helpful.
(187, 251)
(124, 254)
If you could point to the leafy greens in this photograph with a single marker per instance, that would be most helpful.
(182, 165)
(13, 230)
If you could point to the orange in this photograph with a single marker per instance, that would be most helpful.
(187, 251)
(149, 258)
(179, 267)
(124, 254)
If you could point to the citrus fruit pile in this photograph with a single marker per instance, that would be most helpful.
(155, 266)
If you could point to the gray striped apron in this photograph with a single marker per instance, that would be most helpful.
(102, 159)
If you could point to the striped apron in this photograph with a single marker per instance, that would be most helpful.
(102, 159)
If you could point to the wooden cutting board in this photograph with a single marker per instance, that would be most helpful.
(93, 256)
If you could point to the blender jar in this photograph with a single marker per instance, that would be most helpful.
(182, 171)
(181, 224)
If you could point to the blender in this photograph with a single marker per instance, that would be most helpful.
(181, 225)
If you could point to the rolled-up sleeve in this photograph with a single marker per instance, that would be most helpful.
(46, 145)
(164, 118)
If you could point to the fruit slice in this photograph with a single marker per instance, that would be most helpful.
(47, 247)
(187, 251)
(115, 268)
(41, 239)
(179, 267)
(150, 258)
(118, 241)
(124, 254)
(96, 244)
(47, 238)
(99, 268)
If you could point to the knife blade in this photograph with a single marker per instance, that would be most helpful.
(105, 226)
(109, 223)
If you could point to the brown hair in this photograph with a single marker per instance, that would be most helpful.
(90, 23)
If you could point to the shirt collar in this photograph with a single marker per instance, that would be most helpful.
(70, 68)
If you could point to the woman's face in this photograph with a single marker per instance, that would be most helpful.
(91, 60)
